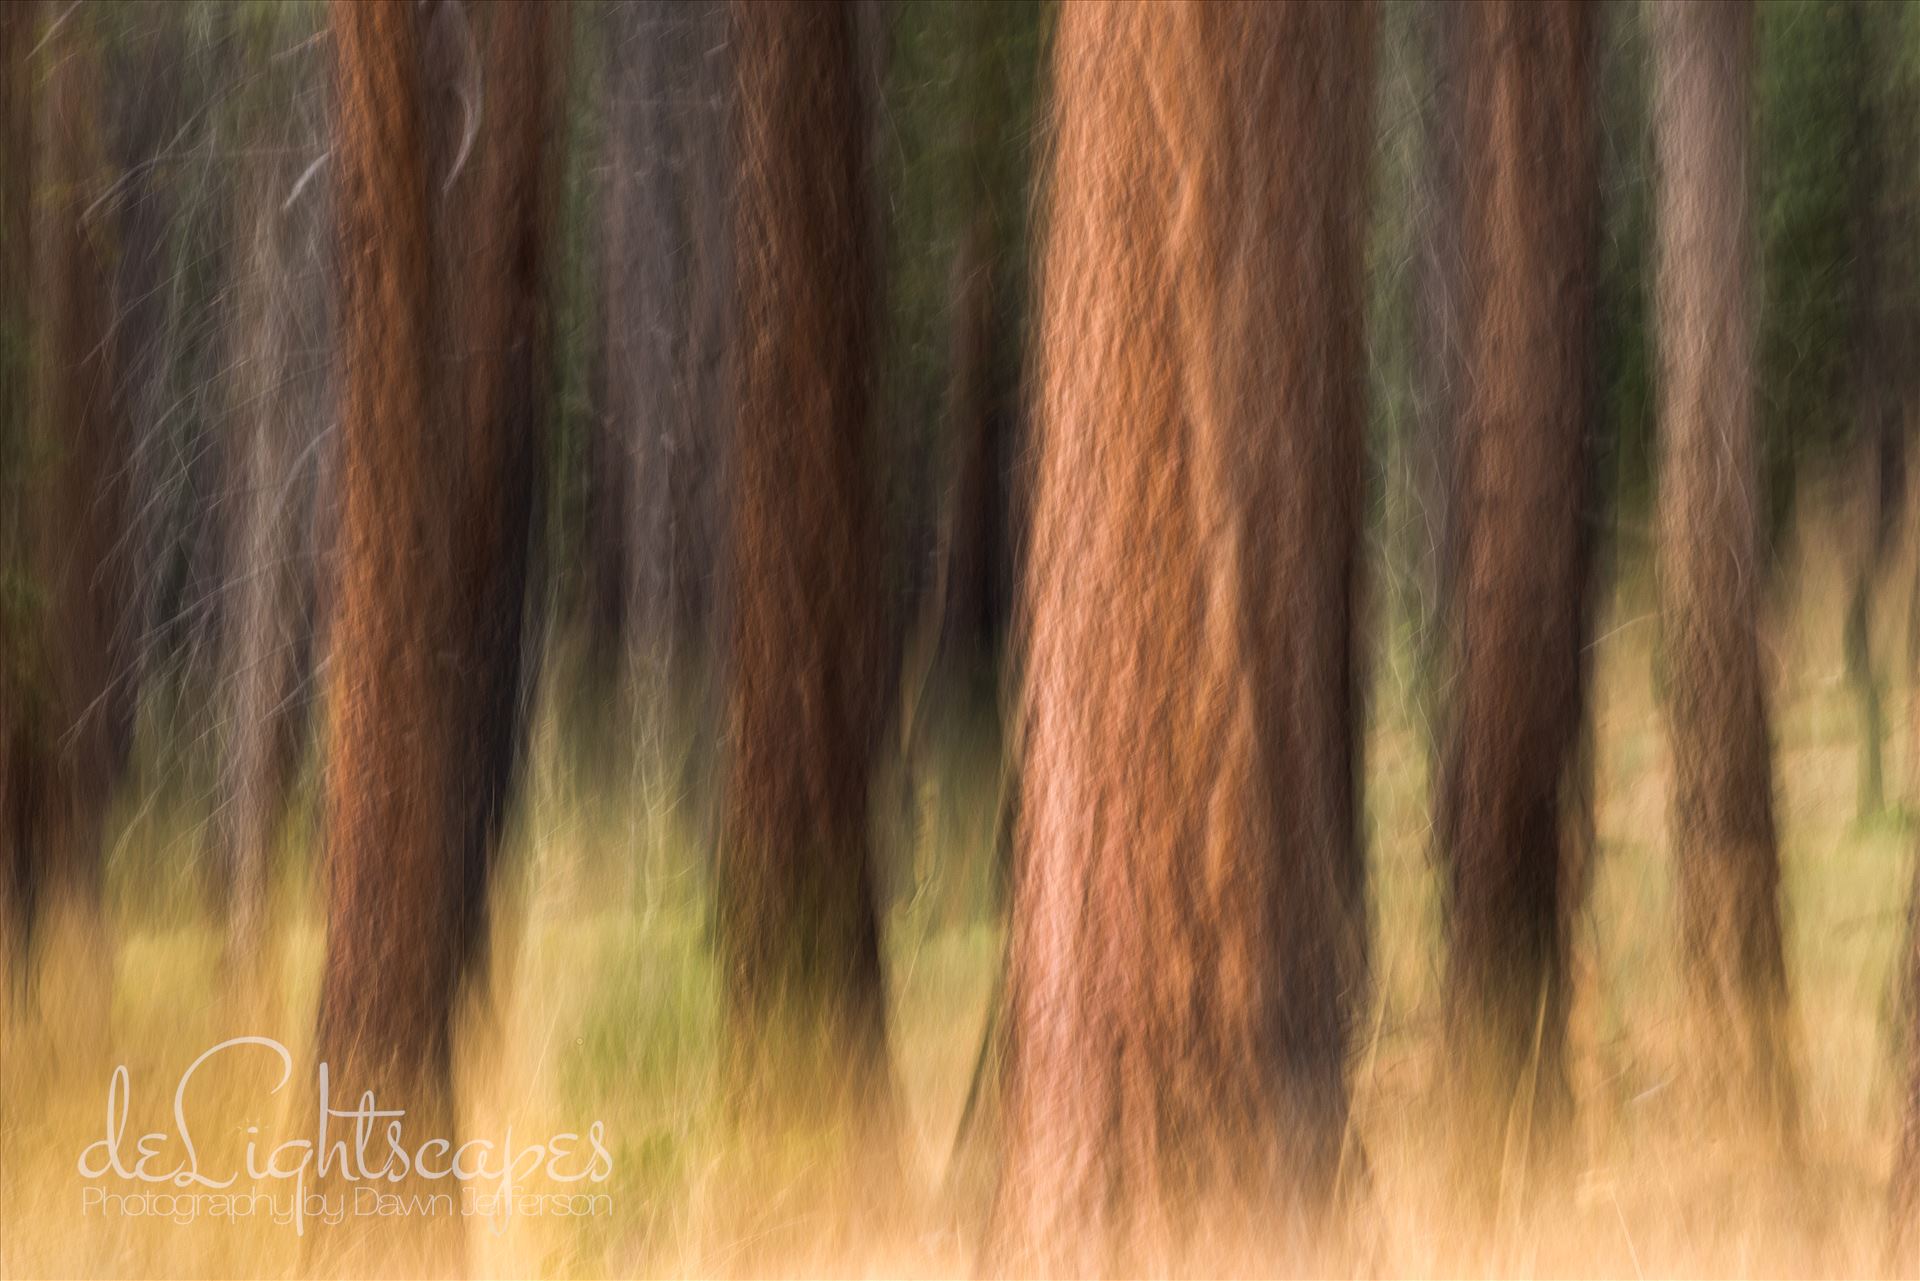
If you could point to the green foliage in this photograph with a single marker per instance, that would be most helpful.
(1810, 91)
(1623, 333)
(576, 297)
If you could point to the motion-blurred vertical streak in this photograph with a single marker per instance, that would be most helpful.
(1188, 932)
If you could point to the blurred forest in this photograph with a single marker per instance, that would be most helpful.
(979, 622)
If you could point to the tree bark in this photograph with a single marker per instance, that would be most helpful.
(1709, 550)
(1188, 927)
(1529, 172)
(442, 237)
(796, 927)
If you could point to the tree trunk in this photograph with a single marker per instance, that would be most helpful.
(668, 245)
(1530, 236)
(17, 754)
(1709, 548)
(74, 667)
(796, 926)
(1187, 943)
(493, 254)
(442, 238)
(666, 228)
(967, 574)
(277, 406)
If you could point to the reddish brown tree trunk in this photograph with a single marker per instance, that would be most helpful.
(796, 922)
(442, 259)
(395, 885)
(1529, 174)
(1188, 920)
(1709, 554)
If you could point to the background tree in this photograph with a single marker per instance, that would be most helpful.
(1529, 239)
(71, 691)
(278, 387)
(17, 37)
(1187, 934)
(667, 239)
(1709, 547)
(796, 927)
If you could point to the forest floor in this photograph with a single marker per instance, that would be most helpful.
(603, 1008)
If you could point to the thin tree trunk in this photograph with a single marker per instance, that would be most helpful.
(17, 751)
(1529, 170)
(278, 401)
(796, 926)
(153, 334)
(1709, 549)
(1187, 944)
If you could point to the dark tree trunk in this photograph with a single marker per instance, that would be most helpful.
(1188, 928)
(668, 248)
(646, 328)
(1709, 551)
(18, 757)
(1529, 173)
(972, 521)
(796, 924)
(154, 332)
(667, 239)
(71, 672)
(442, 243)
(493, 251)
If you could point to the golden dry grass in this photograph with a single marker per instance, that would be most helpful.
(604, 1009)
